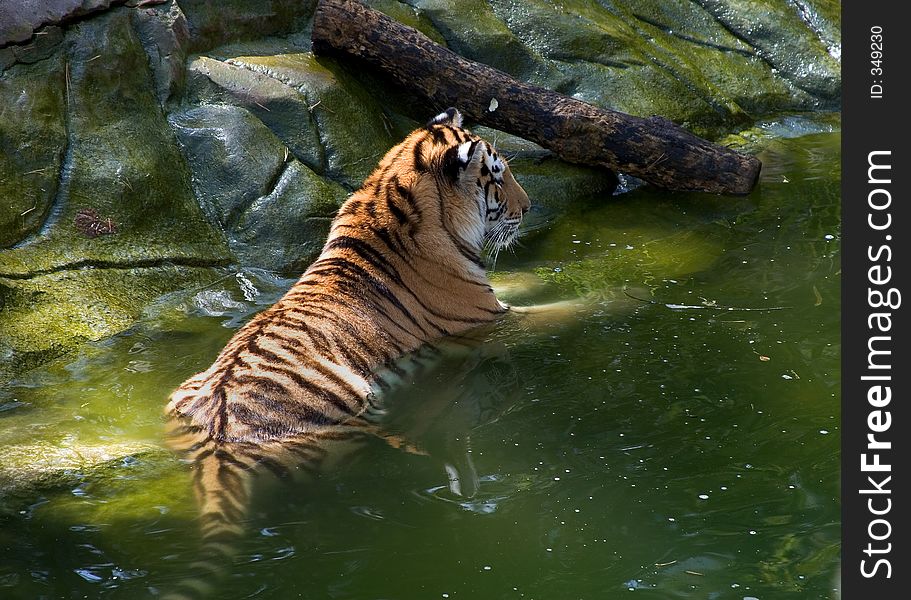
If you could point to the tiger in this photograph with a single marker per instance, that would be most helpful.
(401, 268)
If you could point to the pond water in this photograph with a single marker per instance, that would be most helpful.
(677, 438)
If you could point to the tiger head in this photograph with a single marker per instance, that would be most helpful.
(482, 199)
(441, 186)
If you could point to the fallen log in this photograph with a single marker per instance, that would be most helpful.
(653, 149)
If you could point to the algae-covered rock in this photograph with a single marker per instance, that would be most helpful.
(46, 315)
(215, 23)
(285, 229)
(120, 168)
(304, 101)
(313, 97)
(19, 20)
(32, 142)
(32, 468)
(165, 35)
(282, 108)
(473, 29)
(94, 155)
(408, 15)
(653, 57)
(274, 210)
(234, 156)
(42, 45)
(824, 18)
(798, 42)
(607, 59)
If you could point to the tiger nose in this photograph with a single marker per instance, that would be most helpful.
(524, 203)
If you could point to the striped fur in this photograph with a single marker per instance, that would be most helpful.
(401, 267)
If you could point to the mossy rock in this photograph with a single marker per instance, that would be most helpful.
(282, 108)
(119, 210)
(649, 57)
(124, 170)
(32, 141)
(285, 229)
(307, 103)
(213, 24)
(165, 35)
(232, 155)
(44, 316)
(801, 49)
(473, 29)
(408, 15)
(353, 141)
(274, 210)
(27, 470)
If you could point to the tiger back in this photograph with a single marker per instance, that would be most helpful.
(401, 267)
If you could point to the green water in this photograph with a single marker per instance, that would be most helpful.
(677, 440)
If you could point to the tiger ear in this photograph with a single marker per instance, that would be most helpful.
(450, 116)
(457, 158)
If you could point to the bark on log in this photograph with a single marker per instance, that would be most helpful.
(653, 149)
